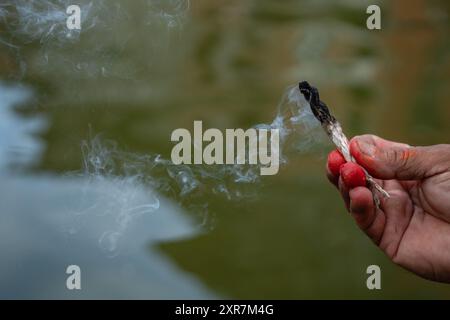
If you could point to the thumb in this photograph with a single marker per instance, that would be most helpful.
(391, 160)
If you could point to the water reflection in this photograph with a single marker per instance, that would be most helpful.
(107, 227)
(18, 147)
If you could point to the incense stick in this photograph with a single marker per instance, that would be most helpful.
(334, 131)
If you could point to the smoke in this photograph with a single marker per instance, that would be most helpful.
(192, 186)
(298, 130)
(45, 20)
(36, 32)
(169, 13)
(115, 192)
(3, 11)
(106, 29)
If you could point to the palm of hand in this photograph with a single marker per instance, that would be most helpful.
(413, 226)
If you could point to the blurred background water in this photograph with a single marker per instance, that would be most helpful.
(140, 69)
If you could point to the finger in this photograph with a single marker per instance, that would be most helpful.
(353, 175)
(343, 189)
(334, 162)
(368, 218)
(391, 160)
(398, 209)
(331, 177)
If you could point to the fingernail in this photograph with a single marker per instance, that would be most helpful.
(366, 148)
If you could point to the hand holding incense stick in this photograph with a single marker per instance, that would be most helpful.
(334, 131)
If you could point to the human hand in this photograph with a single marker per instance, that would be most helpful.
(412, 226)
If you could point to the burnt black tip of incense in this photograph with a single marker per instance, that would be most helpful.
(318, 107)
(305, 89)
